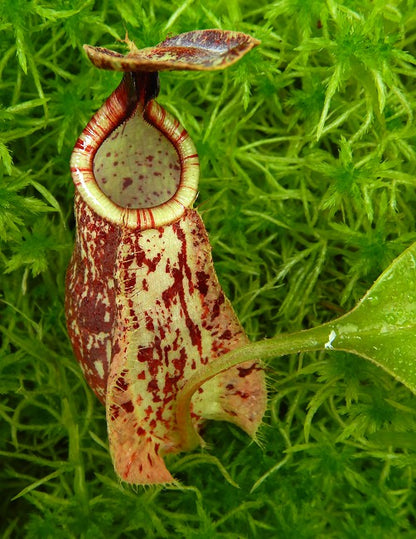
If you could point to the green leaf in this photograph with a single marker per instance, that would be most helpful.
(34, 249)
(6, 158)
(47, 195)
(382, 328)
(22, 50)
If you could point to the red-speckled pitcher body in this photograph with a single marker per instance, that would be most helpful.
(144, 306)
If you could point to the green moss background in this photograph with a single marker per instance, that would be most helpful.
(308, 191)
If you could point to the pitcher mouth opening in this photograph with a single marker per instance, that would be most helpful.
(134, 164)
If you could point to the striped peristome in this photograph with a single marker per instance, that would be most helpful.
(143, 303)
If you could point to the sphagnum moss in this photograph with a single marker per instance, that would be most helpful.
(308, 192)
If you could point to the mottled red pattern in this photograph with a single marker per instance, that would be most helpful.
(200, 50)
(144, 307)
(90, 295)
(151, 338)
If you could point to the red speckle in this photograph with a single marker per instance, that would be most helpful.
(128, 407)
(202, 283)
(93, 312)
(122, 384)
(148, 411)
(149, 323)
(152, 386)
(114, 412)
(130, 282)
(216, 307)
(151, 263)
(127, 182)
(145, 354)
(171, 383)
(226, 335)
(242, 372)
(153, 366)
(179, 364)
